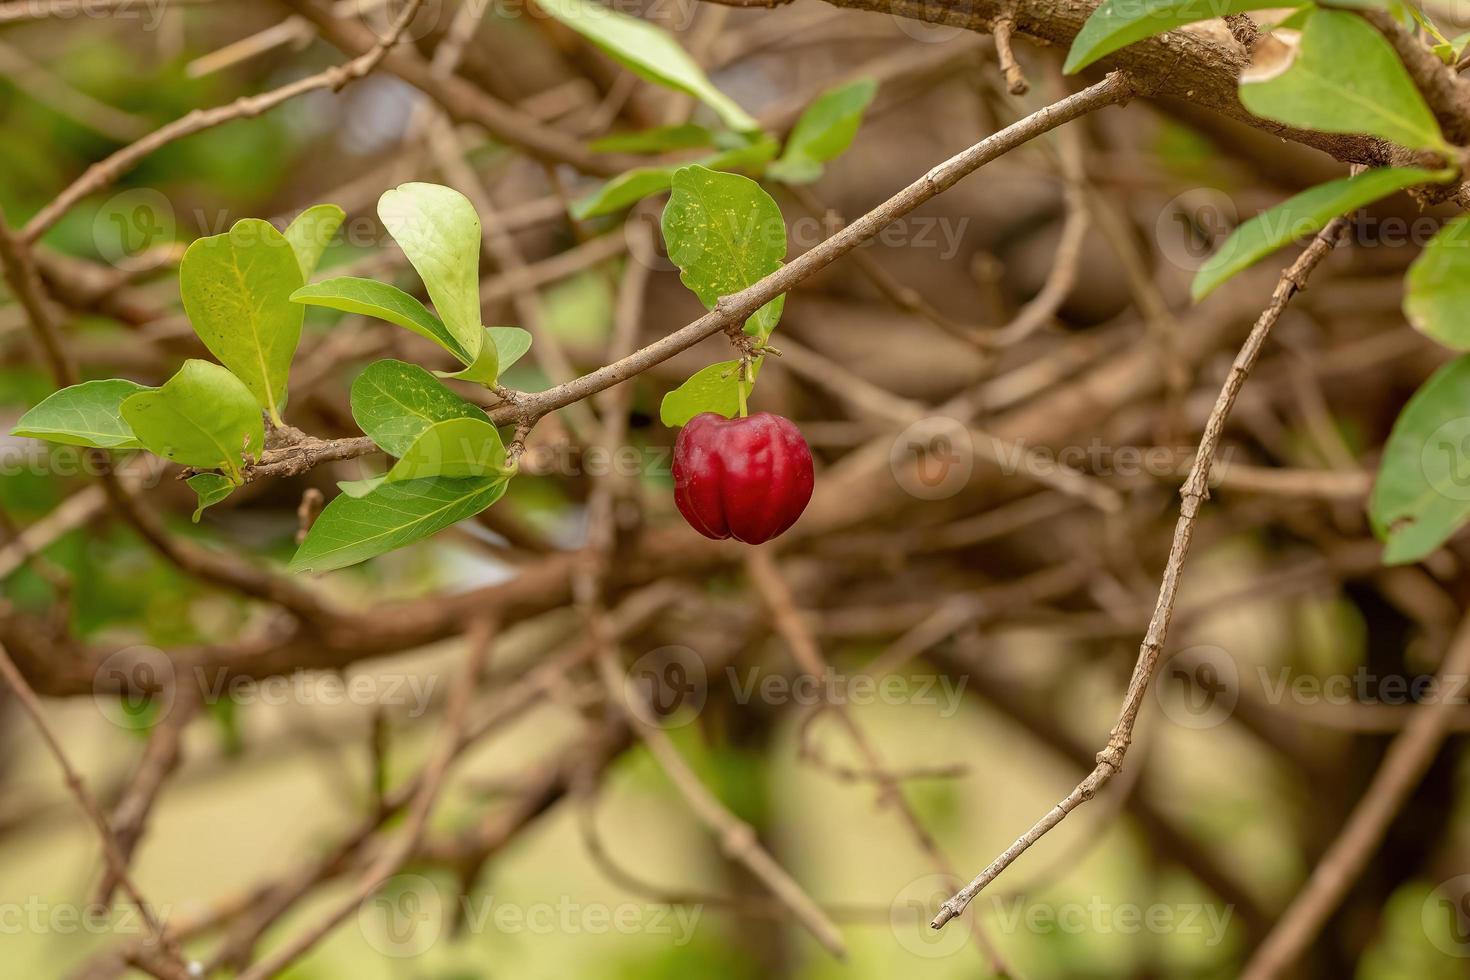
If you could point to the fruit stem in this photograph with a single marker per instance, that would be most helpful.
(740, 386)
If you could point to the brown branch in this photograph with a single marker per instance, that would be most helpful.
(1192, 494)
(104, 172)
(1405, 763)
(450, 744)
(160, 945)
(462, 100)
(1003, 29)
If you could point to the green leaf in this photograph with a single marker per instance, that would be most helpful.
(1437, 288)
(310, 234)
(502, 347)
(439, 232)
(237, 293)
(649, 52)
(88, 414)
(1422, 494)
(511, 343)
(712, 389)
(724, 233)
(1304, 214)
(485, 370)
(824, 131)
(1115, 24)
(361, 488)
(392, 515)
(686, 136)
(1344, 78)
(629, 188)
(395, 403)
(456, 448)
(203, 416)
(211, 488)
(378, 299)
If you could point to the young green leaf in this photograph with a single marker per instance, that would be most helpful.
(394, 403)
(501, 348)
(88, 414)
(1304, 214)
(1115, 24)
(510, 342)
(391, 515)
(1422, 495)
(712, 389)
(485, 370)
(456, 448)
(439, 232)
(1344, 77)
(211, 489)
(824, 131)
(378, 299)
(724, 233)
(647, 51)
(361, 488)
(203, 416)
(311, 232)
(627, 189)
(237, 293)
(1437, 288)
(686, 136)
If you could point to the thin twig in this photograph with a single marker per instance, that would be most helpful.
(1405, 763)
(1193, 494)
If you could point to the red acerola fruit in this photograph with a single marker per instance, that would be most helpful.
(746, 478)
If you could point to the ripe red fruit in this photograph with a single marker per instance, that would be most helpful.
(745, 478)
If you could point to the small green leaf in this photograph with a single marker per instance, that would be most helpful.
(439, 232)
(824, 131)
(629, 188)
(686, 136)
(378, 299)
(649, 52)
(310, 234)
(390, 516)
(361, 488)
(1437, 288)
(484, 371)
(211, 488)
(395, 403)
(712, 389)
(1422, 494)
(511, 343)
(456, 448)
(501, 348)
(724, 233)
(88, 414)
(1115, 24)
(237, 293)
(203, 416)
(1304, 214)
(1344, 78)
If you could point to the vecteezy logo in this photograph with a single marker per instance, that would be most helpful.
(914, 907)
(1198, 686)
(1445, 916)
(1445, 459)
(1193, 225)
(933, 458)
(403, 918)
(134, 687)
(666, 687)
(131, 223)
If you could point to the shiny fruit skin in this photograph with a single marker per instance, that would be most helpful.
(744, 478)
